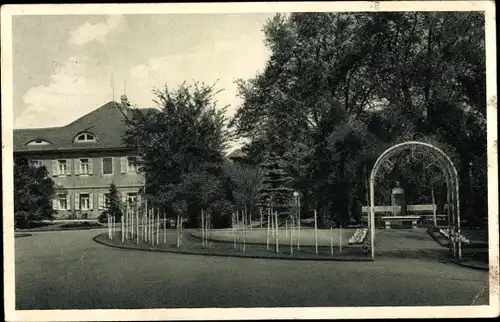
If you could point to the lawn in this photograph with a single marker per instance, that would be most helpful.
(259, 236)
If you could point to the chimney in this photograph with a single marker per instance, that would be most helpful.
(124, 101)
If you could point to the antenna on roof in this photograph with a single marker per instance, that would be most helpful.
(112, 86)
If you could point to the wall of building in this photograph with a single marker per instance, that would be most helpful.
(95, 183)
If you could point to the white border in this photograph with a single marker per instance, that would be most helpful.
(253, 313)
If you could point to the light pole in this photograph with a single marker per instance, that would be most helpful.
(297, 200)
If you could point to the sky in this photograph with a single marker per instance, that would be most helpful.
(63, 65)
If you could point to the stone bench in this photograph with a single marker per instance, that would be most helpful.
(400, 219)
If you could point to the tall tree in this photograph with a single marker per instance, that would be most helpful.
(181, 148)
(33, 193)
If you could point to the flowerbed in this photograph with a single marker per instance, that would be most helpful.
(359, 236)
(451, 235)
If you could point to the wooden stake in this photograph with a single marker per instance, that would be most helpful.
(298, 224)
(331, 241)
(340, 241)
(202, 229)
(126, 222)
(137, 224)
(244, 230)
(286, 228)
(157, 226)
(316, 231)
(178, 230)
(233, 223)
(165, 227)
(291, 235)
(123, 231)
(277, 237)
(268, 227)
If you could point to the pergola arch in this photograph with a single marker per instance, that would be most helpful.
(443, 161)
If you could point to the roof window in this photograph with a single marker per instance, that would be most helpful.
(38, 142)
(85, 137)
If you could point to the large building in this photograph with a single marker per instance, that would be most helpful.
(84, 158)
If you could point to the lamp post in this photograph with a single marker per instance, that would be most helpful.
(297, 200)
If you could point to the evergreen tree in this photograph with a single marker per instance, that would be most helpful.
(114, 206)
(33, 193)
(276, 188)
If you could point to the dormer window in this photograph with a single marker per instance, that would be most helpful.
(85, 137)
(38, 142)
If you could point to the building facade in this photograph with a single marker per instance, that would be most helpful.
(84, 158)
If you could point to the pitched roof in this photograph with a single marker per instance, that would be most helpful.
(107, 123)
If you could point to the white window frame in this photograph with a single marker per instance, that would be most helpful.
(38, 142)
(133, 169)
(88, 201)
(60, 197)
(132, 197)
(84, 166)
(85, 137)
(36, 163)
(59, 163)
(112, 166)
(105, 200)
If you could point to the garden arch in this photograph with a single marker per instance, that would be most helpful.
(429, 152)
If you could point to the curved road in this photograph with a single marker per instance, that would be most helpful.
(68, 270)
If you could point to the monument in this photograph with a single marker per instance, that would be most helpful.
(398, 199)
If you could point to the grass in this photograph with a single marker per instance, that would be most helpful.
(259, 236)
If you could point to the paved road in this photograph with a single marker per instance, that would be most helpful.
(67, 270)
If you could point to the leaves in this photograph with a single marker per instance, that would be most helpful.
(340, 88)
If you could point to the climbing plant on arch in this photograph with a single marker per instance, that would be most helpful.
(430, 154)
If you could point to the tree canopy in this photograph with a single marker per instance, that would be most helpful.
(33, 192)
(181, 149)
(340, 88)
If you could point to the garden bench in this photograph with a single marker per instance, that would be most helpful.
(400, 219)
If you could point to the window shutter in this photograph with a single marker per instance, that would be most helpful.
(77, 166)
(55, 168)
(91, 201)
(123, 164)
(77, 201)
(68, 167)
(68, 202)
(124, 199)
(91, 162)
(100, 201)
(54, 204)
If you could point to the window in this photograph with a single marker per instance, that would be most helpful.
(38, 142)
(84, 166)
(62, 166)
(107, 165)
(85, 137)
(36, 163)
(106, 200)
(132, 198)
(131, 164)
(84, 201)
(62, 201)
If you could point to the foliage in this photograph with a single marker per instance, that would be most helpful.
(114, 206)
(245, 182)
(340, 88)
(33, 193)
(180, 147)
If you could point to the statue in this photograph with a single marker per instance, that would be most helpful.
(398, 199)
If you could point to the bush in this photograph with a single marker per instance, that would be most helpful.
(103, 218)
(81, 224)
